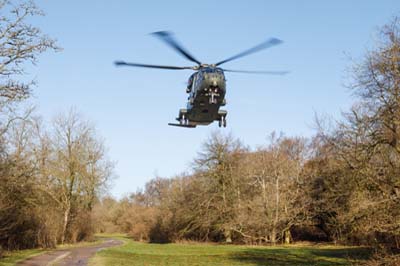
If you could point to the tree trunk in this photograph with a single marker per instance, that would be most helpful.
(228, 236)
(288, 236)
(273, 233)
(273, 236)
(65, 224)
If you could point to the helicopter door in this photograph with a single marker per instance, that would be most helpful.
(194, 83)
(194, 86)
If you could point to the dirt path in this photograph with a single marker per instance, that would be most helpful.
(72, 257)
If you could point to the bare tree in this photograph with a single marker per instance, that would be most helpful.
(73, 166)
(273, 175)
(361, 154)
(218, 164)
(20, 43)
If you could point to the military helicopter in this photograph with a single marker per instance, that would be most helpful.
(207, 85)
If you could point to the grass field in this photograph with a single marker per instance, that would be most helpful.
(134, 253)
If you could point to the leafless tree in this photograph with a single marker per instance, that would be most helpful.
(20, 43)
(73, 167)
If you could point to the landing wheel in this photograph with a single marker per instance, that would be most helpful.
(183, 120)
(222, 121)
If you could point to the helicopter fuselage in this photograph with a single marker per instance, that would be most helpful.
(207, 85)
(206, 89)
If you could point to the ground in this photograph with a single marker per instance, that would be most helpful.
(120, 250)
(71, 255)
(134, 253)
(11, 258)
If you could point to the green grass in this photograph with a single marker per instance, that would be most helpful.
(134, 253)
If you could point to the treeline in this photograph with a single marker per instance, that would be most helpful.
(51, 174)
(234, 195)
(342, 185)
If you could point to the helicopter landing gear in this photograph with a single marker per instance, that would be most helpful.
(222, 121)
(222, 118)
(184, 120)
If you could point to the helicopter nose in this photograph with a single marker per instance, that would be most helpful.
(216, 80)
(214, 77)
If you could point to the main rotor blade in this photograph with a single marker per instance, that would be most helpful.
(257, 72)
(122, 63)
(268, 43)
(168, 38)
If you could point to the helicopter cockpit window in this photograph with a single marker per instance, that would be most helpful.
(190, 82)
(208, 70)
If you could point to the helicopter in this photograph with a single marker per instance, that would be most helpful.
(207, 85)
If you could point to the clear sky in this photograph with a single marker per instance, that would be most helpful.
(131, 107)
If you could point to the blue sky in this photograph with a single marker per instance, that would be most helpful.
(131, 107)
